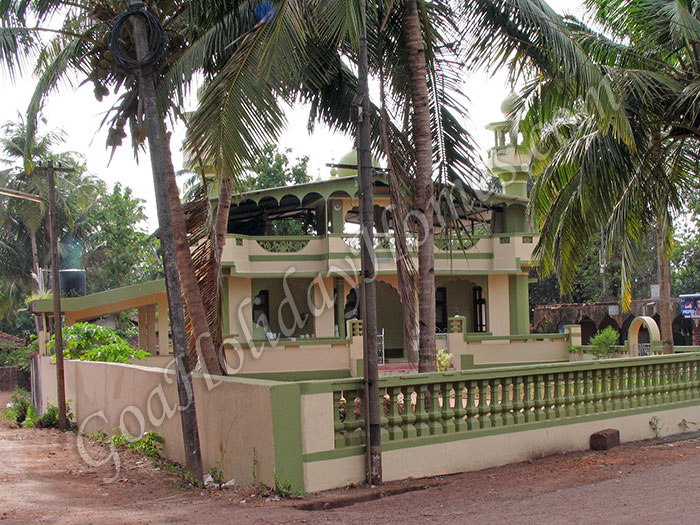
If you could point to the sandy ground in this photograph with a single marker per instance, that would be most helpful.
(43, 479)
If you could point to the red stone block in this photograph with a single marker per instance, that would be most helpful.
(605, 439)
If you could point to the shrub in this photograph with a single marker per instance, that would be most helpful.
(443, 360)
(91, 342)
(20, 404)
(48, 419)
(602, 343)
(13, 355)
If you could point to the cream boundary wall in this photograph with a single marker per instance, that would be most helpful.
(234, 415)
(507, 352)
(288, 358)
(487, 451)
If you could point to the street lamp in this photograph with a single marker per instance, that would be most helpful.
(53, 238)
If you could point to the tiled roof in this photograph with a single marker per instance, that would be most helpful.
(11, 339)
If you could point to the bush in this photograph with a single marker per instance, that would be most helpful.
(48, 419)
(20, 404)
(12, 355)
(91, 342)
(443, 360)
(602, 343)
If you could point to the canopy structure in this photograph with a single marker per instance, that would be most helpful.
(149, 299)
(253, 213)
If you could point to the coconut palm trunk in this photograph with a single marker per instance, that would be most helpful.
(222, 210)
(664, 272)
(188, 279)
(422, 140)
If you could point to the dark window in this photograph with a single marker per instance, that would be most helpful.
(261, 309)
(441, 309)
(479, 310)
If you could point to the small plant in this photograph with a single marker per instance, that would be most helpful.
(575, 349)
(20, 402)
(150, 444)
(602, 343)
(217, 474)
(283, 488)
(443, 360)
(656, 426)
(685, 424)
(255, 466)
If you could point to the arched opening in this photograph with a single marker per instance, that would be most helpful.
(588, 330)
(643, 335)
(624, 329)
(609, 321)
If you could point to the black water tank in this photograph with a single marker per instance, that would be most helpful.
(72, 282)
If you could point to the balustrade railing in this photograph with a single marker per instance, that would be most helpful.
(455, 402)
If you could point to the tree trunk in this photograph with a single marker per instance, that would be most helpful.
(188, 279)
(422, 139)
(35, 259)
(664, 271)
(222, 210)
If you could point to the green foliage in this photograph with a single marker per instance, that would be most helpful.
(20, 405)
(11, 355)
(656, 426)
(119, 252)
(48, 419)
(443, 359)
(91, 342)
(284, 489)
(217, 474)
(150, 444)
(587, 284)
(602, 343)
(685, 424)
(273, 169)
(575, 349)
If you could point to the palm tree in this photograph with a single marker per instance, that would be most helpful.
(622, 167)
(299, 51)
(80, 50)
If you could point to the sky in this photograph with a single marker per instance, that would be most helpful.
(75, 110)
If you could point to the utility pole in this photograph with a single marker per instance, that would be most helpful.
(56, 277)
(143, 23)
(369, 289)
(56, 274)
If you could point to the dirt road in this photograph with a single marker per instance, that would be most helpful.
(43, 479)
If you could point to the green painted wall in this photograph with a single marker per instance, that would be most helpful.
(519, 304)
(286, 434)
(516, 219)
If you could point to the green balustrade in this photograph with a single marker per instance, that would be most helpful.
(491, 400)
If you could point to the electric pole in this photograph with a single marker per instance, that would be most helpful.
(369, 289)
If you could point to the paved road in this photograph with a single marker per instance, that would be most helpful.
(43, 479)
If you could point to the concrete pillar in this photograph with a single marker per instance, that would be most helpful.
(143, 327)
(151, 328)
(163, 340)
(498, 304)
(519, 304)
(323, 307)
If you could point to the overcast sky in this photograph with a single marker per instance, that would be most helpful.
(76, 111)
